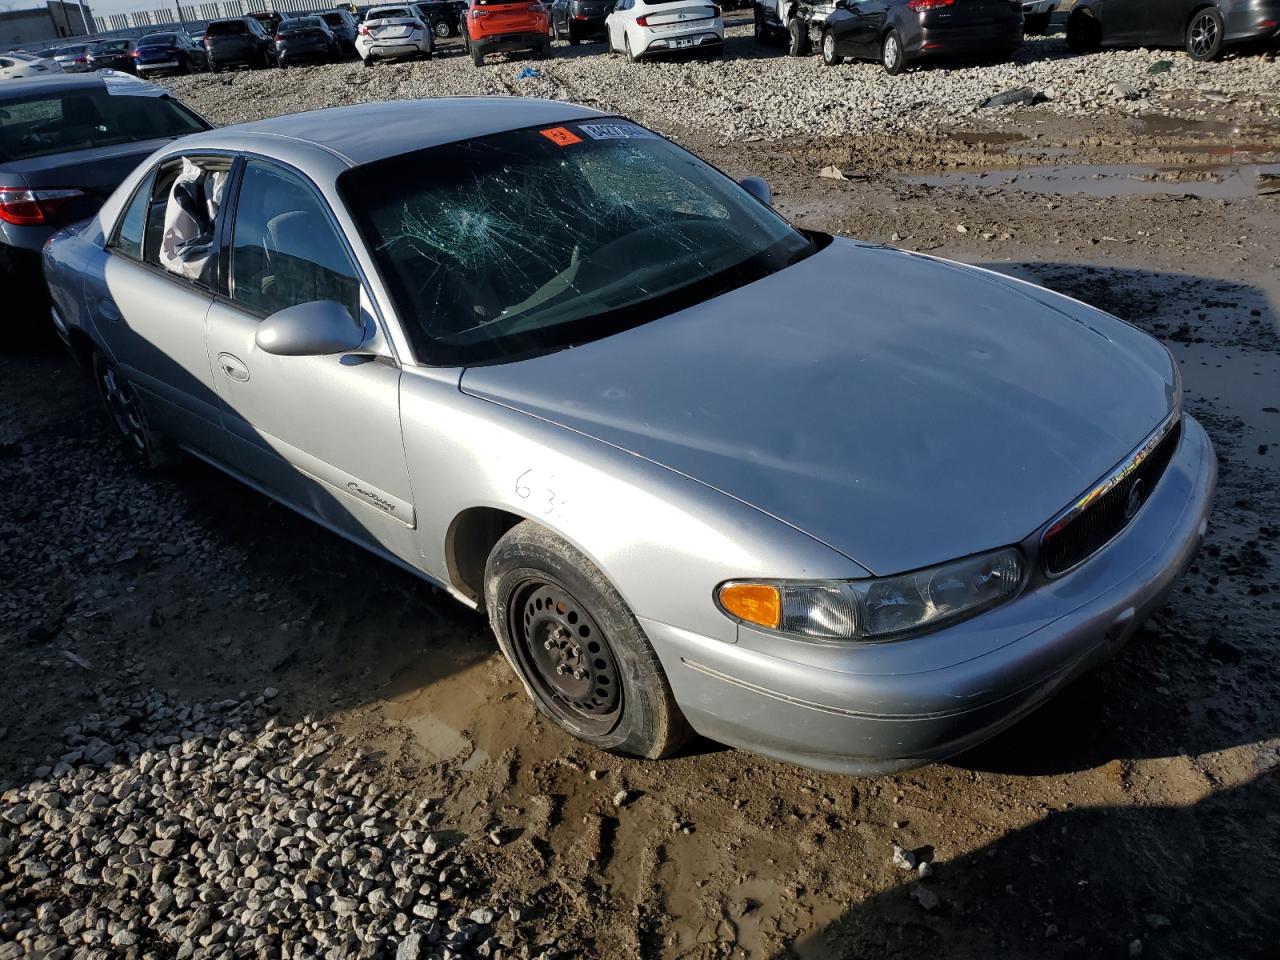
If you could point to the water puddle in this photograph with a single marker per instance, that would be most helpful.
(1237, 382)
(1099, 180)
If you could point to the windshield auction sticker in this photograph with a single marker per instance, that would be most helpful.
(561, 136)
(614, 131)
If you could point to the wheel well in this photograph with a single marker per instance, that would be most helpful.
(470, 540)
(1192, 14)
(82, 348)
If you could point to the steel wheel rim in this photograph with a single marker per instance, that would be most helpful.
(565, 656)
(890, 50)
(1204, 34)
(829, 46)
(125, 411)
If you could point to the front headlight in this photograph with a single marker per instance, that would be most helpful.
(884, 608)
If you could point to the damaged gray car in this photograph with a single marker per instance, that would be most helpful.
(837, 503)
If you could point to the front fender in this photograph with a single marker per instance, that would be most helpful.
(664, 540)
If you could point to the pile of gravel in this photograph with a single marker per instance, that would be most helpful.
(180, 830)
(757, 92)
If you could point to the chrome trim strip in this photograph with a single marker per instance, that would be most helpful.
(1115, 477)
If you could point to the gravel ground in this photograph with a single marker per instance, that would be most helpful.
(758, 92)
(172, 829)
(149, 786)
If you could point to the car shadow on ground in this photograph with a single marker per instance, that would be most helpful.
(1180, 881)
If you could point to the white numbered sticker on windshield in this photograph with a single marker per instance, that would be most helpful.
(615, 131)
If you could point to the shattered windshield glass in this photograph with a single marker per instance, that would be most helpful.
(541, 238)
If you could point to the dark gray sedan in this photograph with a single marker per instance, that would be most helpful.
(1205, 28)
(842, 504)
(65, 144)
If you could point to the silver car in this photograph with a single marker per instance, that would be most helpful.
(830, 501)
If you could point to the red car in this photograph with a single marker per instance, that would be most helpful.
(496, 26)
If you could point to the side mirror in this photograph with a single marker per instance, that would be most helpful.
(309, 330)
(758, 187)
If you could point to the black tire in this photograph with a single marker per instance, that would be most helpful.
(1084, 33)
(367, 61)
(572, 34)
(892, 57)
(542, 50)
(798, 43)
(145, 447)
(428, 53)
(829, 55)
(626, 43)
(1206, 34)
(1036, 24)
(759, 29)
(477, 56)
(551, 608)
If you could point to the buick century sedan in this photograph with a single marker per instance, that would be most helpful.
(840, 504)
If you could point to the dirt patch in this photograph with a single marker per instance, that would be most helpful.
(1138, 807)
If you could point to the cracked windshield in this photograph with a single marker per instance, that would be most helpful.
(542, 238)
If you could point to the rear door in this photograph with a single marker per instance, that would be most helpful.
(151, 317)
(322, 432)
(1129, 21)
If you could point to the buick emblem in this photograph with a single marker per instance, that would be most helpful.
(1135, 499)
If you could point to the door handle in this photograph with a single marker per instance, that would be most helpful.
(233, 367)
(108, 310)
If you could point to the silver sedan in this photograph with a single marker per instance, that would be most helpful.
(837, 503)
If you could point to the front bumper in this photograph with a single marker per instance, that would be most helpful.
(877, 708)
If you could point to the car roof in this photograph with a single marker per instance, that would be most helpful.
(24, 87)
(365, 132)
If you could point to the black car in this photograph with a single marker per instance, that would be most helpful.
(577, 20)
(1203, 28)
(442, 17)
(269, 20)
(898, 32)
(66, 142)
(168, 53)
(112, 55)
(305, 38)
(240, 40)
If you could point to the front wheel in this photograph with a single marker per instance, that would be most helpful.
(829, 55)
(1084, 33)
(1205, 35)
(1035, 24)
(577, 648)
(891, 56)
(798, 39)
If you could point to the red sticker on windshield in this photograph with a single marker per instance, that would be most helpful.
(561, 136)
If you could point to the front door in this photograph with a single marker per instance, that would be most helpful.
(322, 432)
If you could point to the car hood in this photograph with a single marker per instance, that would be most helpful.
(902, 409)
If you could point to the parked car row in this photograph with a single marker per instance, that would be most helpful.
(898, 33)
(323, 314)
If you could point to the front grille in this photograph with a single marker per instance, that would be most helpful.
(1104, 511)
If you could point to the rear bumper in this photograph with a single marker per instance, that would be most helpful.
(703, 38)
(296, 51)
(160, 65)
(1259, 20)
(945, 41)
(894, 706)
(509, 41)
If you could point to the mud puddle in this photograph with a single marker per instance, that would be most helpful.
(1238, 382)
(1105, 181)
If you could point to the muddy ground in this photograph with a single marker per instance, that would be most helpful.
(1137, 814)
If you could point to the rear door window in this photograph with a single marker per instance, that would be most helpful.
(133, 225)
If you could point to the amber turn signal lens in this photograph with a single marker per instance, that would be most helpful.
(758, 603)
